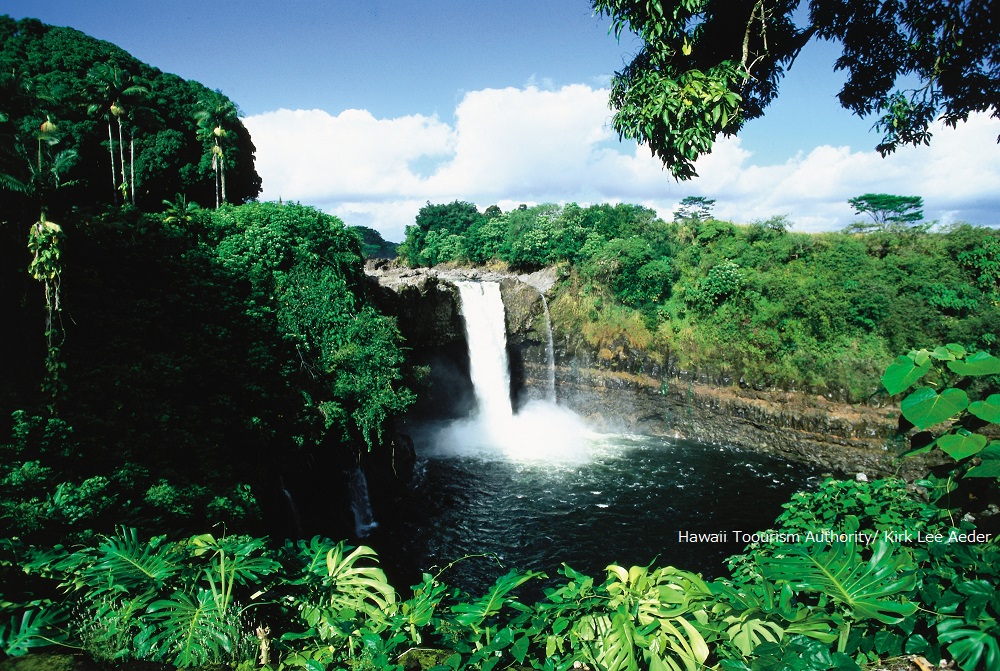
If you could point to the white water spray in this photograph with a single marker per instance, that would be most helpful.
(541, 431)
(485, 328)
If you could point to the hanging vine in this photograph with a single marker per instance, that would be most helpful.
(45, 244)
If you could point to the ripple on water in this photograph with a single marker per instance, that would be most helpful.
(622, 499)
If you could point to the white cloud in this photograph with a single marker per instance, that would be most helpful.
(530, 145)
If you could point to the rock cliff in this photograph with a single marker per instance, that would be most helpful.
(626, 392)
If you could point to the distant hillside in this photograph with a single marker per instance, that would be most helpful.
(373, 245)
(126, 131)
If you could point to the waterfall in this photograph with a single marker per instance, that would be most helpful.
(540, 431)
(296, 518)
(550, 354)
(361, 506)
(483, 310)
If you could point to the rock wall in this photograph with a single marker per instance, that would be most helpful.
(632, 394)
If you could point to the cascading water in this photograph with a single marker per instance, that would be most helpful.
(483, 310)
(540, 431)
(537, 490)
(550, 354)
(361, 506)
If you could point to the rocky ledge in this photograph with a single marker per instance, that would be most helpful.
(840, 437)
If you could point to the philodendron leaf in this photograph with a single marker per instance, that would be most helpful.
(969, 644)
(980, 363)
(961, 445)
(988, 410)
(870, 590)
(925, 407)
(902, 373)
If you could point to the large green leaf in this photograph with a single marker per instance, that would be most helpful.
(902, 373)
(925, 407)
(962, 444)
(34, 629)
(969, 644)
(475, 614)
(354, 587)
(191, 629)
(988, 410)
(125, 564)
(990, 466)
(980, 363)
(867, 589)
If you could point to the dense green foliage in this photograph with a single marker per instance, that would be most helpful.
(164, 368)
(373, 245)
(707, 66)
(865, 586)
(755, 302)
(135, 134)
(205, 358)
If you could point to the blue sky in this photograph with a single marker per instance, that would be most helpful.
(370, 108)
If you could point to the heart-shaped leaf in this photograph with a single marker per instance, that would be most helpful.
(990, 466)
(980, 363)
(925, 407)
(988, 410)
(902, 373)
(961, 445)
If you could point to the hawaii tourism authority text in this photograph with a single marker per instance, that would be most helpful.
(831, 536)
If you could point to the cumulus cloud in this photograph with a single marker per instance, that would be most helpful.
(532, 145)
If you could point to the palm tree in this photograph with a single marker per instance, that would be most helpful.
(37, 178)
(111, 89)
(215, 119)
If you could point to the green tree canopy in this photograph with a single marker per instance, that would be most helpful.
(123, 118)
(708, 66)
(887, 210)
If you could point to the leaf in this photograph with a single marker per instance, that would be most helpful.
(990, 466)
(747, 633)
(361, 588)
(474, 614)
(866, 588)
(34, 629)
(969, 645)
(925, 407)
(902, 373)
(191, 629)
(988, 410)
(980, 363)
(961, 445)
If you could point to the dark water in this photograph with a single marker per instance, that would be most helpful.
(622, 499)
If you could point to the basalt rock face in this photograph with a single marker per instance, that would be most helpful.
(527, 335)
(629, 391)
(429, 318)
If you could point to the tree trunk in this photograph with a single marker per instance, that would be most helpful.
(121, 150)
(111, 150)
(131, 164)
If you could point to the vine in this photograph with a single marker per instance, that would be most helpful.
(45, 244)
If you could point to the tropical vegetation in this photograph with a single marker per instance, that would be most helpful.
(172, 370)
(754, 303)
(706, 67)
